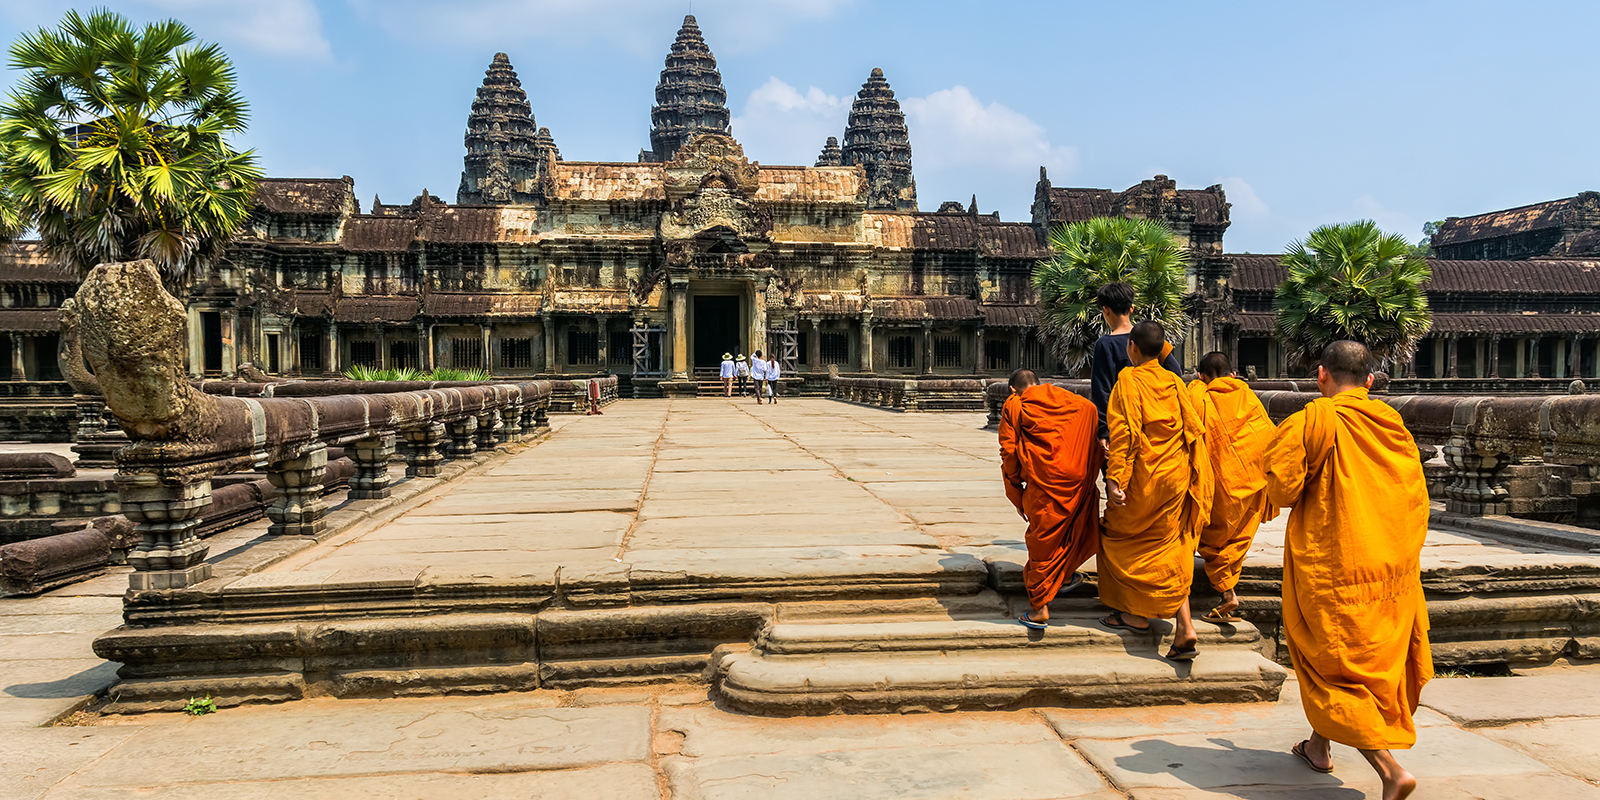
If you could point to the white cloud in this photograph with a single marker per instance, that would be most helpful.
(781, 125)
(953, 129)
(1408, 226)
(1247, 205)
(286, 28)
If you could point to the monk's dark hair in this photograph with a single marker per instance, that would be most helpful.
(1215, 364)
(1023, 378)
(1116, 296)
(1347, 362)
(1148, 336)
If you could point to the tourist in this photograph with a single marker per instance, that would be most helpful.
(741, 371)
(726, 373)
(1111, 350)
(758, 373)
(1237, 433)
(773, 386)
(1353, 611)
(1050, 458)
(1158, 491)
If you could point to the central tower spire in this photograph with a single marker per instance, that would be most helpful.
(505, 151)
(689, 98)
(876, 138)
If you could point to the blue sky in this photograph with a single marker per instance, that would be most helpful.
(1307, 113)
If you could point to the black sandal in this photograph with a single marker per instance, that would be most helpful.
(1186, 654)
(1300, 750)
(1121, 624)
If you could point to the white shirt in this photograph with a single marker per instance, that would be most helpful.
(758, 369)
(727, 368)
(741, 369)
(772, 370)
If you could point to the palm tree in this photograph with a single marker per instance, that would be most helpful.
(113, 146)
(1353, 281)
(1105, 250)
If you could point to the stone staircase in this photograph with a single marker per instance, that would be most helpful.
(897, 666)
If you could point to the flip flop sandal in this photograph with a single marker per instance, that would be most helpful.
(1120, 625)
(1187, 654)
(1031, 622)
(1077, 580)
(1217, 617)
(1300, 750)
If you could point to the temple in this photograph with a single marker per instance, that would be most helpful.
(651, 269)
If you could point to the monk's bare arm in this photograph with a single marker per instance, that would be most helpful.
(1120, 419)
(1285, 462)
(1010, 459)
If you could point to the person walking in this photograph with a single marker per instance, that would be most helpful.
(774, 387)
(725, 371)
(1354, 616)
(1050, 458)
(758, 374)
(741, 371)
(1111, 350)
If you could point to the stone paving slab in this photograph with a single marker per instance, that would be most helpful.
(1570, 745)
(318, 740)
(33, 761)
(1537, 786)
(610, 782)
(1500, 701)
(35, 691)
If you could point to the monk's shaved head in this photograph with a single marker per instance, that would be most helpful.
(1148, 336)
(1023, 378)
(1215, 364)
(1348, 363)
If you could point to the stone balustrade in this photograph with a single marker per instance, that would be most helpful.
(572, 396)
(910, 394)
(995, 394)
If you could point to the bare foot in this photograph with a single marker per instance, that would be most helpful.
(1400, 787)
(1039, 614)
(1230, 602)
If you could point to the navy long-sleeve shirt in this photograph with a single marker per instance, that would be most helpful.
(1110, 356)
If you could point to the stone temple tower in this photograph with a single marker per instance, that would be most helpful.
(505, 149)
(831, 156)
(689, 99)
(875, 137)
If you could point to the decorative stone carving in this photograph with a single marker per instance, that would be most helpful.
(689, 98)
(463, 442)
(299, 509)
(488, 429)
(371, 481)
(831, 155)
(510, 430)
(506, 151)
(422, 450)
(166, 514)
(876, 138)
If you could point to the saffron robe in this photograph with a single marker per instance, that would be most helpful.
(1049, 457)
(1353, 609)
(1238, 431)
(1158, 458)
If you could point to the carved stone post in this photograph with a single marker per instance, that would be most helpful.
(166, 514)
(510, 424)
(422, 453)
(298, 510)
(371, 481)
(462, 441)
(541, 415)
(488, 428)
(529, 423)
(95, 446)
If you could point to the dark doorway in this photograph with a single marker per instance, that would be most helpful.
(716, 328)
(211, 340)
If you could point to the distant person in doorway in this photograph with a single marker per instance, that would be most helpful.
(741, 371)
(774, 387)
(758, 374)
(1049, 458)
(1111, 351)
(726, 372)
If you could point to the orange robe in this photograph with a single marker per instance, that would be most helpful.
(1049, 457)
(1238, 431)
(1353, 609)
(1158, 457)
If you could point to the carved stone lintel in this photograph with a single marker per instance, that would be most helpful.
(166, 515)
(463, 443)
(299, 509)
(422, 450)
(371, 481)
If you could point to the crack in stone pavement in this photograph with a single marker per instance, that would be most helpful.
(638, 506)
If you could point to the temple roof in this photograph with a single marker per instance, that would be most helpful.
(306, 195)
(875, 137)
(953, 232)
(821, 185)
(25, 262)
(1069, 204)
(363, 234)
(505, 146)
(1511, 221)
(1262, 322)
(915, 308)
(1263, 273)
(30, 320)
(596, 181)
(831, 155)
(377, 308)
(689, 97)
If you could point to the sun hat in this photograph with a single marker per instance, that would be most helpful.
(740, 358)
(727, 356)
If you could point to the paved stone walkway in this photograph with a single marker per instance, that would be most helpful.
(659, 481)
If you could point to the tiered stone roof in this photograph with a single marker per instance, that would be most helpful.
(689, 98)
(831, 155)
(506, 150)
(876, 138)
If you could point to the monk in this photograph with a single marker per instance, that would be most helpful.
(1159, 490)
(1238, 431)
(1050, 457)
(1353, 610)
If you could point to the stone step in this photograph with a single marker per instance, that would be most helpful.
(894, 667)
(1074, 630)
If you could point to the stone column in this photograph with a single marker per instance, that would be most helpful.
(488, 428)
(980, 366)
(679, 297)
(530, 423)
(165, 514)
(815, 347)
(424, 346)
(510, 424)
(1494, 356)
(603, 345)
(927, 348)
(19, 365)
(1575, 358)
(382, 336)
(758, 321)
(371, 481)
(331, 366)
(229, 334)
(1452, 346)
(298, 510)
(1233, 355)
(549, 335)
(487, 356)
(866, 343)
(422, 449)
(1533, 357)
(462, 440)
